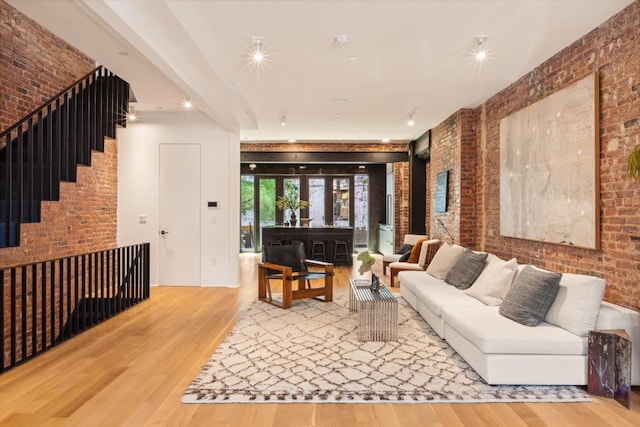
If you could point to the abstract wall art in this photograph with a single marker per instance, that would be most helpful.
(549, 168)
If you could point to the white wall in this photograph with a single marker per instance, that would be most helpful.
(138, 189)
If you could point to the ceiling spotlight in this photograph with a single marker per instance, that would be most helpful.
(341, 40)
(131, 116)
(187, 104)
(385, 140)
(257, 53)
(283, 120)
(292, 140)
(481, 48)
(338, 114)
(252, 166)
(411, 121)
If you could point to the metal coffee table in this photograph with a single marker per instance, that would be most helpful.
(377, 311)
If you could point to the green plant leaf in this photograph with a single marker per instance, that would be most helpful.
(633, 163)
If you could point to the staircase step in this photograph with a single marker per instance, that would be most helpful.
(13, 239)
(30, 211)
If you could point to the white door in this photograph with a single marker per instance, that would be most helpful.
(179, 214)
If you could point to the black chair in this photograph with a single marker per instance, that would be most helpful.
(288, 263)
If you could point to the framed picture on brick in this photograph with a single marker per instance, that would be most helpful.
(442, 191)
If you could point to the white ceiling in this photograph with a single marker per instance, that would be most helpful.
(411, 56)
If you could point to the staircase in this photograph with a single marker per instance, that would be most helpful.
(45, 147)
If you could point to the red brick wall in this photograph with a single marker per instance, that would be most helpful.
(453, 149)
(400, 202)
(34, 65)
(84, 220)
(613, 49)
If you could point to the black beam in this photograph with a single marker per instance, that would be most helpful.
(322, 157)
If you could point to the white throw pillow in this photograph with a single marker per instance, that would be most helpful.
(443, 260)
(496, 276)
(577, 304)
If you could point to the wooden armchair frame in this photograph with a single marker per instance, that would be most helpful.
(288, 276)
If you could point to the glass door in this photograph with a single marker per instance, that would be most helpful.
(266, 206)
(247, 213)
(361, 211)
(316, 202)
(341, 202)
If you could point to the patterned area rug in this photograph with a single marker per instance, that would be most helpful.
(310, 354)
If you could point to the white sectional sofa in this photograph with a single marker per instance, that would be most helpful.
(504, 351)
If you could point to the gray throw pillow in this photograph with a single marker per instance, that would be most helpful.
(405, 257)
(531, 295)
(406, 247)
(465, 269)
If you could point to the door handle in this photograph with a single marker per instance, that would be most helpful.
(163, 233)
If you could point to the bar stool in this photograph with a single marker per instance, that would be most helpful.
(341, 252)
(317, 250)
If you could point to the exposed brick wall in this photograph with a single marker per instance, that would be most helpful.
(34, 65)
(400, 202)
(613, 49)
(453, 149)
(84, 220)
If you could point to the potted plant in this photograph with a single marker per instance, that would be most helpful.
(633, 163)
(291, 202)
(367, 265)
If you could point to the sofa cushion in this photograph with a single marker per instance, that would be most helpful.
(495, 334)
(404, 257)
(443, 260)
(576, 306)
(406, 266)
(435, 293)
(530, 296)
(465, 269)
(491, 282)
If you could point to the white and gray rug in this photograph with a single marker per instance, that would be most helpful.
(310, 354)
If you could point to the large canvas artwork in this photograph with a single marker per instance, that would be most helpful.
(549, 174)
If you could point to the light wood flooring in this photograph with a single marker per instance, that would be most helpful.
(132, 370)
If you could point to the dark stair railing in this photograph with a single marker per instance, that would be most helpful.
(45, 303)
(46, 146)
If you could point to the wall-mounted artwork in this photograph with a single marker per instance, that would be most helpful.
(549, 168)
(442, 191)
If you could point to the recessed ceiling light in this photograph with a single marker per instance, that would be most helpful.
(338, 114)
(385, 140)
(257, 52)
(480, 53)
(292, 140)
(352, 58)
(341, 40)
(158, 108)
(131, 116)
(411, 121)
(123, 53)
(187, 104)
(340, 100)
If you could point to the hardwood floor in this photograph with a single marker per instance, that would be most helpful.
(133, 369)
